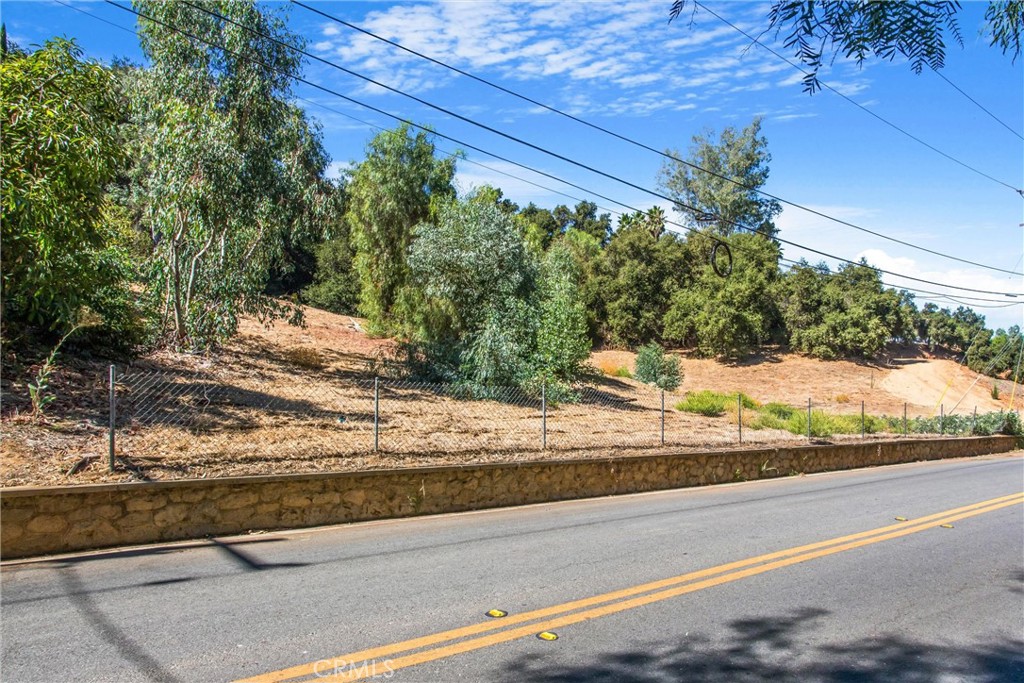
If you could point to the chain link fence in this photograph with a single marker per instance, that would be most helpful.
(192, 420)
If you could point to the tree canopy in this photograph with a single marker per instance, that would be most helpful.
(724, 195)
(61, 249)
(399, 184)
(227, 167)
(819, 31)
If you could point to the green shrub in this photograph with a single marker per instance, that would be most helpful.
(707, 403)
(654, 367)
(821, 423)
(748, 403)
(779, 410)
(766, 420)
(995, 391)
(623, 371)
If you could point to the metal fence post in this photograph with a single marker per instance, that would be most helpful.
(662, 417)
(904, 419)
(942, 419)
(974, 420)
(544, 416)
(862, 427)
(739, 414)
(113, 417)
(808, 419)
(376, 414)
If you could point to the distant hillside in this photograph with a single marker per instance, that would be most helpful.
(913, 376)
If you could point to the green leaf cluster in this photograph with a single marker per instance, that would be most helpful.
(63, 247)
(653, 366)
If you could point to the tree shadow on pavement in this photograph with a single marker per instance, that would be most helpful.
(782, 648)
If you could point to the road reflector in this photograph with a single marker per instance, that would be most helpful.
(946, 526)
(547, 635)
(901, 519)
(497, 613)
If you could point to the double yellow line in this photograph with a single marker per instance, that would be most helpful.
(374, 661)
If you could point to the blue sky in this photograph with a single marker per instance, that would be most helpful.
(622, 66)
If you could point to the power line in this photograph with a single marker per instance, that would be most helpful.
(857, 104)
(514, 139)
(940, 297)
(976, 102)
(639, 144)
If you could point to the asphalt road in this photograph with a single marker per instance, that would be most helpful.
(805, 578)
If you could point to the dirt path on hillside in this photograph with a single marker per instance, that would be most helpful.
(288, 399)
(921, 382)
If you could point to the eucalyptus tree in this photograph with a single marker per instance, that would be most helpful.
(399, 184)
(718, 189)
(225, 166)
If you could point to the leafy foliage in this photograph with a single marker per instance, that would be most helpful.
(727, 317)
(706, 403)
(399, 185)
(335, 285)
(227, 167)
(726, 193)
(654, 367)
(489, 314)
(847, 313)
(636, 276)
(562, 342)
(858, 30)
(61, 249)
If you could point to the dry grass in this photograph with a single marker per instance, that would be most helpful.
(286, 399)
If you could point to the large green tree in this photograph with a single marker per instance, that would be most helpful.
(59, 149)
(724, 196)
(846, 313)
(818, 31)
(227, 169)
(727, 317)
(399, 184)
(639, 271)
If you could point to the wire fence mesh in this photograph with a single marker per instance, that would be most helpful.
(203, 417)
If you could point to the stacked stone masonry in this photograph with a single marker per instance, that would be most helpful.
(40, 521)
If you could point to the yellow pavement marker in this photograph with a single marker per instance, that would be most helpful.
(731, 572)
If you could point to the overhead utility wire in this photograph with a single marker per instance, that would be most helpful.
(976, 102)
(857, 104)
(515, 139)
(804, 264)
(642, 145)
(939, 296)
(555, 155)
(374, 126)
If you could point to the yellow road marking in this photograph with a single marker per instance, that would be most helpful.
(736, 570)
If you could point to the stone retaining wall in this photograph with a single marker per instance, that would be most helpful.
(48, 520)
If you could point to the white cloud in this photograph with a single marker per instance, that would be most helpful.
(972, 278)
(516, 183)
(336, 169)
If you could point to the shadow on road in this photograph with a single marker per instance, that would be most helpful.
(106, 629)
(781, 648)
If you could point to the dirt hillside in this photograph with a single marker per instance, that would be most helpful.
(912, 376)
(288, 399)
(920, 381)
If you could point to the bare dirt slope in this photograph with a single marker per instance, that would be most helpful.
(921, 381)
(290, 399)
